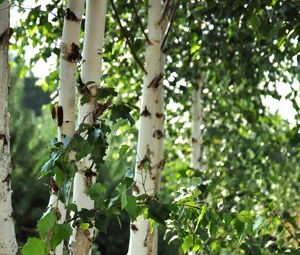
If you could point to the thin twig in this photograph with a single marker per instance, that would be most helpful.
(283, 222)
(139, 20)
(169, 27)
(126, 38)
(165, 10)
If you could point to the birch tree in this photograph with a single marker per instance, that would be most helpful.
(8, 244)
(69, 57)
(196, 123)
(81, 240)
(149, 148)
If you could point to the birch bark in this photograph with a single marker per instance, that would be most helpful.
(196, 130)
(81, 240)
(150, 139)
(196, 123)
(69, 57)
(8, 244)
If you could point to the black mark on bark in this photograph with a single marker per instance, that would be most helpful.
(145, 112)
(7, 179)
(159, 115)
(158, 134)
(71, 15)
(53, 186)
(134, 227)
(156, 81)
(136, 188)
(4, 37)
(60, 116)
(3, 137)
(74, 56)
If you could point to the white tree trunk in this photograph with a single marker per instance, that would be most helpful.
(69, 57)
(150, 139)
(196, 123)
(81, 240)
(196, 130)
(8, 244)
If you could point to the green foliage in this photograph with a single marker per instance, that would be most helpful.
(247, 191)
(34, 246)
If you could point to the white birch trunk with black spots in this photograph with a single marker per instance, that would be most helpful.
(81, 240)
(150, 139)
(8, 244)
(69, 56)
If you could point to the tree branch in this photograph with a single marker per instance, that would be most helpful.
(127, 39)
(169, 27)
(165, 10)
(139, 21)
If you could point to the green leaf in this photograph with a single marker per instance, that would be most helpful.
(101, 222)
(158, 211)
(121, 111)
(187, 243)
(61, 232)
(47, 167)
(86, 214)
(84, 226)
(203, 211)
(72, 207)
(122, 189)
(34, 246)
(122, 151)
(131, 207)
(128, 178)
(46, 224)
(106, 92)
(97, 191)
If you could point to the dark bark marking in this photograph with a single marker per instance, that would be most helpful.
(60, 116)
(3, 137)
(57, 213)
(53, 112)
(74, 56)
(141, 164)
(136, 188)
(159, 115)
(194, 140)
(134, 227)
(7, 179)
(53, 186)
(161, 164)
(71, 15)
(158, 134)
(89, 174)
(156, 81)
(145, 112)
(4, 37)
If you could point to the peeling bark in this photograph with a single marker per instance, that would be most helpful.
(150, 139)
(8, 244)
(81, 241)
(69, 57)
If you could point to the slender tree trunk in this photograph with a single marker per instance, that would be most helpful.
(69, 57)
(196, 123)
(8, 244)
(81, 240)
(150, 139)
(196, 130)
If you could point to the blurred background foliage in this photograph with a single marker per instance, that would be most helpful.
(240, 50)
